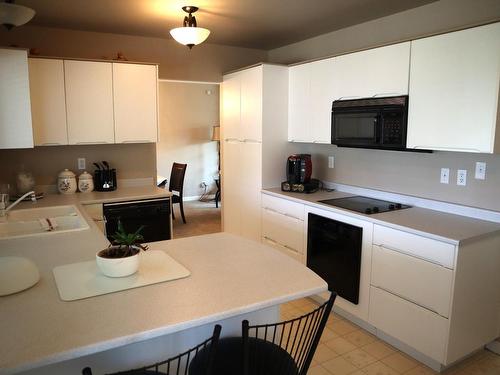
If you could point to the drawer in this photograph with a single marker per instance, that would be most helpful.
(283, 206)
(94, 211)
(425, 283)
(415, 326)
(292, 254)
(285, 230)
(421, 247)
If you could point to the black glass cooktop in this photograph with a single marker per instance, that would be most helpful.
(364, 205)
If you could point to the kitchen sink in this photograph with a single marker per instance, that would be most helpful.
(26, 222)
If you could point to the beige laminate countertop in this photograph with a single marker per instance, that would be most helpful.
(229, 276)
(442, 226)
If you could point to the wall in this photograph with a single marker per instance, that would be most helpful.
(131, 161)
(187, 114)
(400, 172)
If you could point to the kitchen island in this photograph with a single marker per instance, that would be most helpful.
(231, 279)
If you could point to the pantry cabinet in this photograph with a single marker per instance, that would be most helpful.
(299, 103)
(15, 112)
(48, 102)
(135, 102)
(89, 102)
(454, 84)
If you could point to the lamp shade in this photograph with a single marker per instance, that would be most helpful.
(190, 36)
(216, 133)
(14, 15)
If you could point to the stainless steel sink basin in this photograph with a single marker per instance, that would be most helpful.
(26, 222)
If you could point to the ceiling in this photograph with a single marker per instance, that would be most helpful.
(263, 24)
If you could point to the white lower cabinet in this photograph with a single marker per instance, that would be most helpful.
(417, 327)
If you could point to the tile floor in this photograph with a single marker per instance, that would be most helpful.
(347, 349)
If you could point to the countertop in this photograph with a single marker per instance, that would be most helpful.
(454, 229)
(229, 276)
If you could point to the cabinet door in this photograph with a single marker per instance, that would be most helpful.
(322, 94)
(376, 72)
(89, 102)
(231, 182)
(15, 113)
(251, 104)
(454, 82)
(299, 108)
(249, 188)
(231, 113)
(48, 102)
(135, 103)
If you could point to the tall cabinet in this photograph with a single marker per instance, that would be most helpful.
(253, 126)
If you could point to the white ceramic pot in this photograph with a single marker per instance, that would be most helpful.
(118, 267)
(85, 182)
(66, 182)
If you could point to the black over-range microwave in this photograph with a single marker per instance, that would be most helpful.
(370, 123)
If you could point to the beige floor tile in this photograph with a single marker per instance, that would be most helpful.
(360, 338)
(343, 327)
(421, 370)
(379, 368)
(359, 358)
(328, 335)
(324, 353)
(379, 349)
(400, 362)
(317, 370)
(486, 366)
(339, 366)
(340, 345)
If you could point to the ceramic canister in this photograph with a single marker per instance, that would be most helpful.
(85, 182)
(66, 182)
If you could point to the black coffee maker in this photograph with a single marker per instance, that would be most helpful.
(298, 174)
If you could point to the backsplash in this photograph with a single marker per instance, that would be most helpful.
(408, 173)
(132, 161)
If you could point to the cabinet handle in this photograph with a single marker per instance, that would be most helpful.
(230, 139)
(348, 97)
(92, 143)
(291, 216)
(409, 300)
(386, 94)
(246, 140)
(299, 140)
(400, 251)
(51, 144)
(139, 141)
(290, 248)
(464, 149)
(270, 240)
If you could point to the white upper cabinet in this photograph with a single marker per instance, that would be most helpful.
(231, 114)
(89, 102)
(299, 104)
(454, 82)
(375, 72)
(251, 104)
(15, 109)
(135, 102)
(322, 93)
(48, 102)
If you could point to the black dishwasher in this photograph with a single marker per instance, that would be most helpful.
(153, 214)
(334, 253)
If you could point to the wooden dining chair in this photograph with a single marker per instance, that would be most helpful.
(179, 365)
(177, 185)
(284, 348)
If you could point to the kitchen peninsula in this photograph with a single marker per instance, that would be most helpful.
(231, 279)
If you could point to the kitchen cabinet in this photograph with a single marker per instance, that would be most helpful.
(454, 83)
(95, 211)
(15, 107)
(299, 103)
(135, 102)
(253, 103)
(89, 102)
(48, 102)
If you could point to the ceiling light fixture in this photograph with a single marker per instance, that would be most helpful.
(14, 15)
(190, 34)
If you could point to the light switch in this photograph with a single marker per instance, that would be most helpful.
(480, 171)
(331, 162)
(445, 176)
(81, 163)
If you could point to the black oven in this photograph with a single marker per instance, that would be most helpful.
(370, 123)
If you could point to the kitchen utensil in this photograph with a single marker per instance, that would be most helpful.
(97, 166)
(106, 165)
(66, 182)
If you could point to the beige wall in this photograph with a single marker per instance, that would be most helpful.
(187, 114)
(205, 62)
(406, 173)
(131, 161)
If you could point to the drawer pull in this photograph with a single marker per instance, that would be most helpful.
(412, 255)
(270, 240)
(290, 248)
(291, 216)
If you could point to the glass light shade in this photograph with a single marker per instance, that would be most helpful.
(190, 36)
(15, 15)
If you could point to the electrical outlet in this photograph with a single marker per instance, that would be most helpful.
(445, 176)
(331, 162)
(480, 170)
(462, 177)
(81, 163)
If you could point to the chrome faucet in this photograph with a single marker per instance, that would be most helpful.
(4, 202)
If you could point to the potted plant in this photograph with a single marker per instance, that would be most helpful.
(122, 257)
